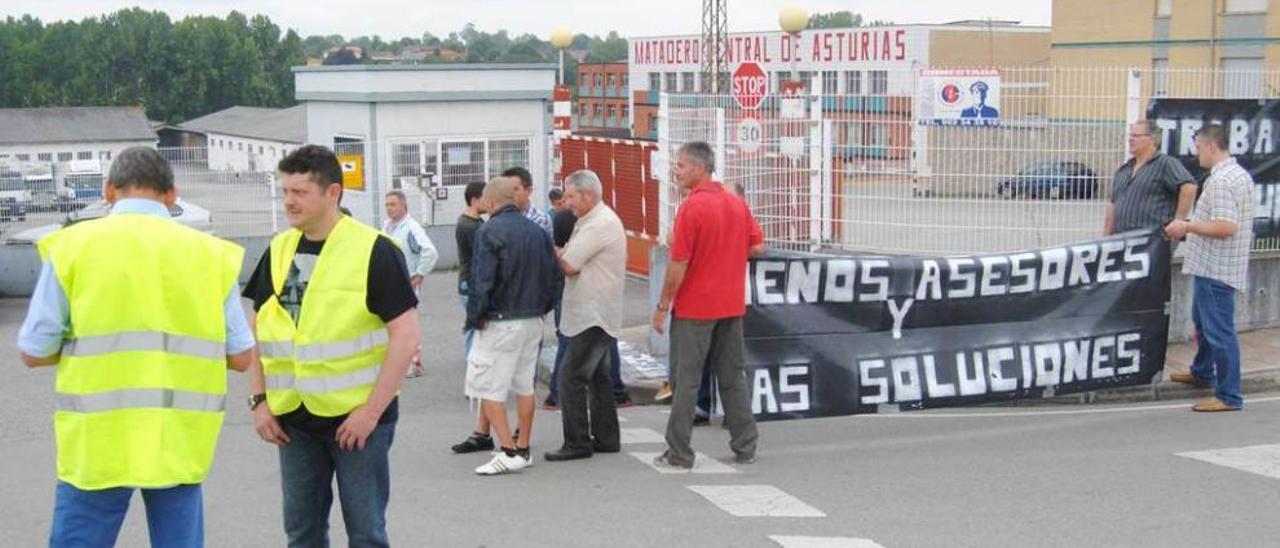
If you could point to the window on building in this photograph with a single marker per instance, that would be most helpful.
(507, 153)
(655, 82)
(272, 151)
(44, 157)
(613, 80)
(4, 156)
(686, 82)
(1164, 8)
(104, 155)
(22, 157)
(830, 82)
(599, 80)
(879, 82)
(626, 81)
(613, 111)
(64, 156)
(626, 112)
(240, 147)
(599, 111)
(259, 149)
(1160, 77)
(1243, 78)
(806, 76)
(670, 86)
(84, 155)
(853, 82)
(778, 78)
(1246, 6)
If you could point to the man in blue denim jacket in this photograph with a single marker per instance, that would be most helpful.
(515, 281)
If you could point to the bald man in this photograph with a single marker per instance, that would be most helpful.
(515, 282)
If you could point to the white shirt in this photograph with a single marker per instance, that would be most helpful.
(598, 250)
(419, 252)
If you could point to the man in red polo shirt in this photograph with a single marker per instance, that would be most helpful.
(704, 293)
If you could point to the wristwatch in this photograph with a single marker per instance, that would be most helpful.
(256, 400)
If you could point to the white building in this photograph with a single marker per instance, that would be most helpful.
(250, 138)
(429, 130)
(31, 137)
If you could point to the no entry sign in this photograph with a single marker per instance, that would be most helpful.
(750, 85)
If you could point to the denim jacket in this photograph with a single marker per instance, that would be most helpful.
(514, 271)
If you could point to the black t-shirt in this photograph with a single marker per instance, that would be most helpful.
(389, 295)
(465, 235)
(562, 227)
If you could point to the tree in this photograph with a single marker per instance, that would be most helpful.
(835, 20)
(344, 56)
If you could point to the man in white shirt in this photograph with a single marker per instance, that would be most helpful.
(595, 267)
(419, 252)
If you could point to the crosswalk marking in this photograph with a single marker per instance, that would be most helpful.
(823, 542)
(1257, 459)
(702, 464)
(641, 435)
(756, 501)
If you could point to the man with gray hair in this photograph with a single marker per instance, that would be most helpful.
(595, 264)
(142, 317)
(704, 292)
(515, 281)
(419, 253)
(1151, 189)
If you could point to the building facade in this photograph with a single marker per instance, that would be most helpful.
(603, 108)
(877, 63)
(250, 138)
(40, 137)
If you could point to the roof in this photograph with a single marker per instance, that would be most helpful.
(285, 125)
(74, 125)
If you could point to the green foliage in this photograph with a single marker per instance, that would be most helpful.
(176, 70)
(842, 19)
(183, 69)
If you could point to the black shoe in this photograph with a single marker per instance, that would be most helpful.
(743, 458)
(566, 454)
(598, 448)
(474, 443)
(623, 401)
(701, 420)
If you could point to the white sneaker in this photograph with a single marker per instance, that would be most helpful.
(502, 464)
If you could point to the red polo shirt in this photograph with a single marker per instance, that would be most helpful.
(714, 231)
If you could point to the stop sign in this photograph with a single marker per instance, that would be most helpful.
(750, 85)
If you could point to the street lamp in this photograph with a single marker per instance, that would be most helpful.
(793, 18)
(561, 38)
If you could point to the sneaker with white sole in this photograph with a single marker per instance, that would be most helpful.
(502, 464)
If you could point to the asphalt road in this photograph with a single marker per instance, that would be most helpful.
(1042, 476)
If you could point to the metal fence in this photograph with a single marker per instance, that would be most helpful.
(857, 171)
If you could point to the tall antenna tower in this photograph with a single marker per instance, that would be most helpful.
(715, 29)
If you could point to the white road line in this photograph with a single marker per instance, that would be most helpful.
(641, 435)
(1127, 409)
(702, 464)
(756, 501)
(1257, 459)
(823, 542)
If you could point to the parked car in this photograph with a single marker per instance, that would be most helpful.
(15, 199)
(1051, 180)
(182, 211)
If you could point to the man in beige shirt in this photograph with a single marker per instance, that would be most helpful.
(595, 263)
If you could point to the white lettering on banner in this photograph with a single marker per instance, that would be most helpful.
(913, 378)
(872, 279)
(899, 314)
(1178, 134)
(789, 394)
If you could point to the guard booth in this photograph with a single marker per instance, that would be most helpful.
(429, 130)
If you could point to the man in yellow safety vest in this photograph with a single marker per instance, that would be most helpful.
(142, 317)
(337, 324)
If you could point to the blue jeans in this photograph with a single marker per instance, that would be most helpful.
(307, 466)
(1217, 361)
(175, 516)
(615, 366)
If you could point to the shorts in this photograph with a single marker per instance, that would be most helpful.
(503, 359)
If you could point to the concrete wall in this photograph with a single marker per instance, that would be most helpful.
(1257, 309)
(20, 264)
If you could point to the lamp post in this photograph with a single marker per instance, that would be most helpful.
(561, 38)
(793, 19)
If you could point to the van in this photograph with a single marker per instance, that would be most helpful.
(83, 179)
(15, 199)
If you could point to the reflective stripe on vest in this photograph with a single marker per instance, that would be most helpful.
(141, 398)
(141, 341)
(321, 385)
(341, 349)
(276, 349)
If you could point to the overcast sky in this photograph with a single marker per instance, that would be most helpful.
(397, 18)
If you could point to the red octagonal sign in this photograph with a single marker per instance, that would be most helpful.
(750, 85)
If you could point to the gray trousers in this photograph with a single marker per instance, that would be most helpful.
(711, 343)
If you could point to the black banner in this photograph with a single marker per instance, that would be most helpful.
(839, 335)
(1254, 126)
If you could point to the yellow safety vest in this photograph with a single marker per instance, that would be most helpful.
(141, 383)
(330, 359)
